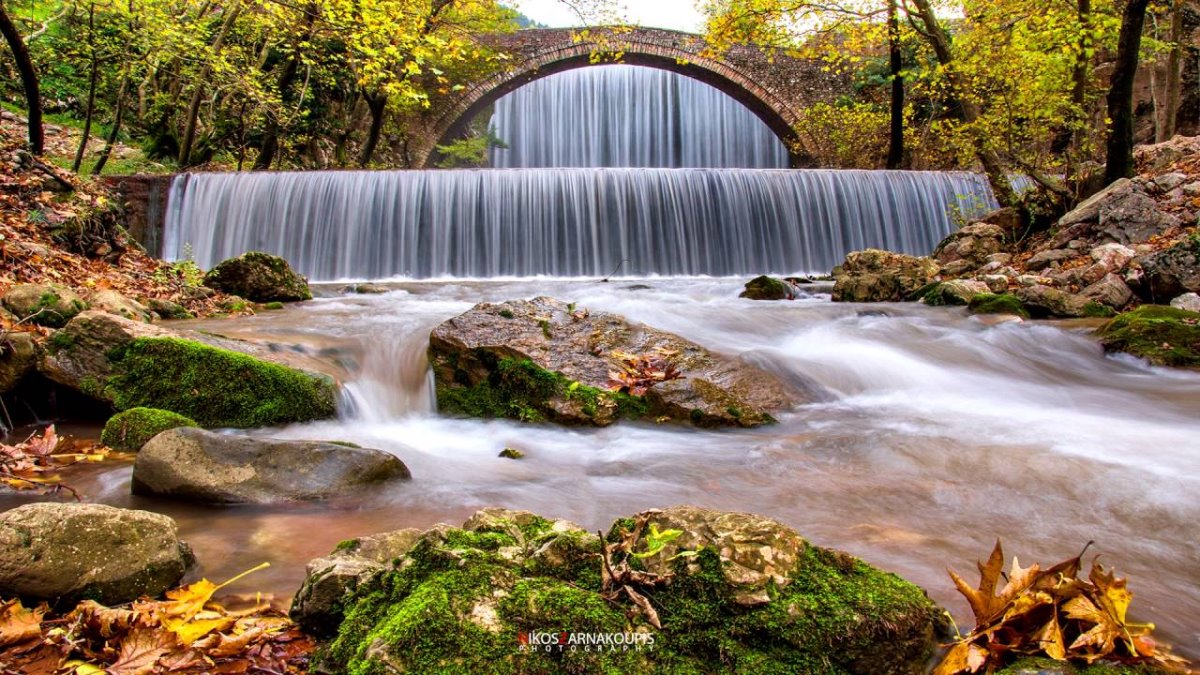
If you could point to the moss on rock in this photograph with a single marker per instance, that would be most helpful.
(215, 387)
(129, 430)
(1004, 303)
(521, 390)
(1164, 336)
(464, 600)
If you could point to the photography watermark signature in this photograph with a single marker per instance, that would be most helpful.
(566, 641)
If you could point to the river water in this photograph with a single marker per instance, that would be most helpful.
(937, 433)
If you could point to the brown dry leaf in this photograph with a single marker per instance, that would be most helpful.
(963, 657)
(140, 651)
(982, 599)
(221, 645)
(103, 621)
(18, 624)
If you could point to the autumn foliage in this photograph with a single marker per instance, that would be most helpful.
(186, 633)
(639, 372)
(1052, 613)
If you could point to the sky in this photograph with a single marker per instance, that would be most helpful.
(676, 14)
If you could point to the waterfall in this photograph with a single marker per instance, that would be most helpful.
(629, 116)
(564, 222)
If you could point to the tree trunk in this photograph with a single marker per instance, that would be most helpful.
(896, 64)
(993, 166)
(1119, 162)
(1166, 96)
(116, 127)
(91, 100)
(29, 79)
(376, 104)
(193, 112)
(270, 144)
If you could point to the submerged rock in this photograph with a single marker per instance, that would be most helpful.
(880, 276)
(769, 288)
(748, 595)
(50, 551)
(1164, 336)
(128, 431)
(199, 465)
(544, 360)
(260, 277)
(131, 364)
(43, 304)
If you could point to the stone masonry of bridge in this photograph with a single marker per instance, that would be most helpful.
(774, 86)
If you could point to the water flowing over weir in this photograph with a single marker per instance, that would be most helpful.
(629, 116)
(564, 222)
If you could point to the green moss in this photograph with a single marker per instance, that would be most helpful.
(458, 602)
(520, 390)
(346, 545)
(129, 430)
(1164, 336)
(1004, 303)
(941, 296)
(511, 453)
(507, 313)
(1096, 310)
(215, 387)
(345, 444)
(60, 340)
(273, 305)
(734, 412)
(545, 326)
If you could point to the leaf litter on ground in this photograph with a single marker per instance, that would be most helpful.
(187, 632)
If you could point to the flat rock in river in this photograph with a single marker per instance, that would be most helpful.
(545, 360)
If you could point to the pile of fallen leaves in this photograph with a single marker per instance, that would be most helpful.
(37, 198)
(1052, 613)
(34, 463)
(186, 633)
(639, 372)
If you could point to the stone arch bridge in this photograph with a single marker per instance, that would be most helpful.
(775, 87)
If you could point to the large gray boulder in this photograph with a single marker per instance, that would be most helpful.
(1122, 213)
(198, 465)
(131, 364)
(1046, 302)
(49, 305)
(1172, 272)
(881, 276)
(735, 592)
(544, 360)
(52, 551)
(971, 247)
(260, 277)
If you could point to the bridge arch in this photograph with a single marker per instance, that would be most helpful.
(764, 83)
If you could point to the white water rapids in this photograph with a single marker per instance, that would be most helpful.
(937, 433)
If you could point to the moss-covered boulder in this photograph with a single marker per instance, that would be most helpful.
(1164, 336)
(1002, 303)
(769, 288)
(955, 292)
(72, 551)
(128, 431)
(197, 465)
(131, 365)
(881, 276)
(511, 592)
(544, 360)
(260, 277)
(1045, 302)
(166, 309)
(43, 304)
